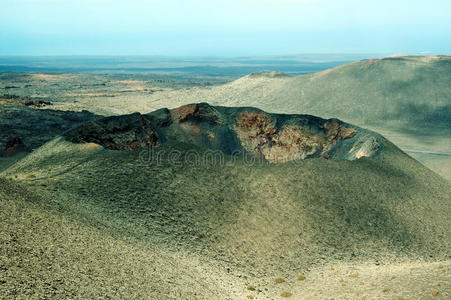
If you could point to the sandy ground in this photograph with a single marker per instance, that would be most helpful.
(414, 280)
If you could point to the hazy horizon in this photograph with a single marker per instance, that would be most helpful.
(231, 67)
(223, 28)
(301, 55)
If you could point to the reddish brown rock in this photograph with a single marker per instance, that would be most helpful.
(192, 112)
(260, 136)
(185, 112)
(13, 145)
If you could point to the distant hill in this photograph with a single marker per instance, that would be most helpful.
(414, 91)
(80, 216)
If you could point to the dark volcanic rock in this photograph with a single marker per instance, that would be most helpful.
(272, 137)
(37, 103)
(24, 128)
(128, 132)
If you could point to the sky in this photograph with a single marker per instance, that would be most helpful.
(223, 27)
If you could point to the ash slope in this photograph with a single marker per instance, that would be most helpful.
(412, 90)
(230, 225)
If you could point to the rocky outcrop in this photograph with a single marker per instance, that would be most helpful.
(259, 135)
(273, 137)
(127, 133)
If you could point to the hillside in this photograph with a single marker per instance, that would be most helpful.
(407, 99)
(175, 227)
(414, 90)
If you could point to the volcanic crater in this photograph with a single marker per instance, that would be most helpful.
(273, 137)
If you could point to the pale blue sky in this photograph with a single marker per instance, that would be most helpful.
(223, 27)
